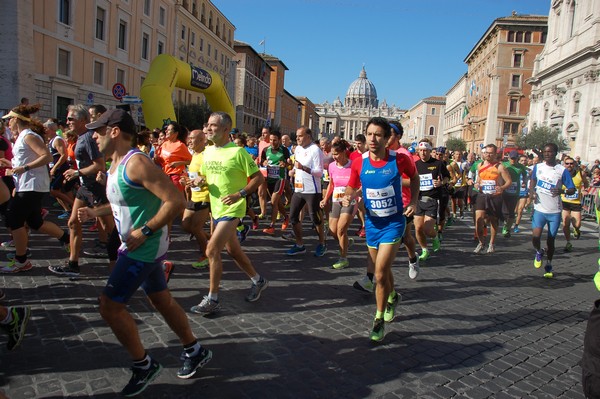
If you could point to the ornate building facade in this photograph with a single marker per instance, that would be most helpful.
(565, 92)
(350, 118)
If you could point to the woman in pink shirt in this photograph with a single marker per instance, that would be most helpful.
(340, 216)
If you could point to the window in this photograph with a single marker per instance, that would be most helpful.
(201, 44)
(527, 37)
(517, 60)
(209, 49)
(98, 73)
(519, 37)
(122, 35)
(100, 18)
(544, 37)
(161, 16)
(145, 44)
(64, 62)
(511, 36)
(147, 7)
(182, 32)
(160, 48)
(120, 76)
(576, 106)
(64, 11)
(193, 39)
(431, 131)
(513, 106)
(433, 111)
(510, 128)
(515, 81)
(216, 55)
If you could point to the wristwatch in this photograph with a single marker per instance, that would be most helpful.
(146, 231)
(243, 193)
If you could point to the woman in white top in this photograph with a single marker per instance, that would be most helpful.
(32, 181)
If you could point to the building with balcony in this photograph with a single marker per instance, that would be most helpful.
(498, 67)
(566, 77)
(60, 52)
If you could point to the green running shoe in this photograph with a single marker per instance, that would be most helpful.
(504, 231)
(424, 255)
(390, 309)
(548, 271)
(568, 247)
(597, 279)
(436, 244)
(378, 331)
(341, 264)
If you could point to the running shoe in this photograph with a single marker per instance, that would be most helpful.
(15, 266)
(341, 264)
(243, 233)
(378, 331)
(207, 306)
(548, 271)
(286, 223)
(424, 255)
(361, 232)
(12, 254)
(97, 251)
(479, 249)
(491, 249)
(201, 264)
(140, 379)
(8, 244)
(168, 269)
(256, 289)
(413, 270)
(350, 242)
(65, 270)
(597, 279)
(296, 250)
(576, 233)
(269, 230)
(450, 221)
(255, 223)
(65, 215)
(516, 229)
(193, 363)
(504, 231)
(436, 244)
(568, 247)
(16, 328)
(261, 216)
(537, 262)
(320, 250)
(364, 284)
(390, 308)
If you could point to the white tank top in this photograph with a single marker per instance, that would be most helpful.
(37, 179)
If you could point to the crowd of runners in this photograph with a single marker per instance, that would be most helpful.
(212, 179)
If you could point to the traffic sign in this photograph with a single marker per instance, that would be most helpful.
(90, 98)
(481, 145)
(118, 91)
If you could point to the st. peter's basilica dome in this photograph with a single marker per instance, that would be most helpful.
(361, 93)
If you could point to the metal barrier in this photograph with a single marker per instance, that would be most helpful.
(588, 203)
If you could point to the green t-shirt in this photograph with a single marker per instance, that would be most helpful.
(227, 170)
(274, 170)
(515, 171)
(473, 171)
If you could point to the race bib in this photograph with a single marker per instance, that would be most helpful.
(273, 171)
(325, 175)
(298, 184)
(426, 182)
(458, 182)
(338, 194)
(381, 202)
(488, 186)
(194, 175)
(512, 189)
(572, 196)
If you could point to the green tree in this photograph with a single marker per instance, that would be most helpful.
(537, 137)
(192, 116)
(455, 144)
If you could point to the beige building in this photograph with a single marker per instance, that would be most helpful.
(276, 87)
(425, 120)
(251, 99)
(498, 67)
(308, 115)
(350, 118)
(566, 77)
(291, 111)
(62, 52)
(455, 110)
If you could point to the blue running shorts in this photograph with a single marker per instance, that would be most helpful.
(540, 220)
(130, 274)
(384, 231)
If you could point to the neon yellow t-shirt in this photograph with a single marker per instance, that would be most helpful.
(227, 170)
(199, 194)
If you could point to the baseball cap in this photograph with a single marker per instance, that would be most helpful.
(513, 154)
(114, 117)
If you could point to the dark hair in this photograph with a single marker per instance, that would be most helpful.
(553, 146)
(493, 146)
(181, 131)
(397, 128)
(360, 137)
(382, 123)
(341, 146)
(98, 108)
(276, 133)
(306, 130)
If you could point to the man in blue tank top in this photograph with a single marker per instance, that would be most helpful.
(379, 172)
(143, 201)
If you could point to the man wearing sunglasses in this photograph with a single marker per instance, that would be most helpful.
(571, 204)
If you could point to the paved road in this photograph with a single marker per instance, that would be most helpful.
(472, 326)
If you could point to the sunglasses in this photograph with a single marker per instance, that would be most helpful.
(569, 163)
(71, 119)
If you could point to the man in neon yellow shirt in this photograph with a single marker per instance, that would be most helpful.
(231, 175)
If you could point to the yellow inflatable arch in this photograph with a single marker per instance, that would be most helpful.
(166, 73)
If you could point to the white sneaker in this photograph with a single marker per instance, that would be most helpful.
(413, 269)
(479, 249)
(491, 249)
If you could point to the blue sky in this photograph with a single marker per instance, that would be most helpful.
(410, 49)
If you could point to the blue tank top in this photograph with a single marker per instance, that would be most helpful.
(382, 190)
